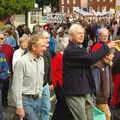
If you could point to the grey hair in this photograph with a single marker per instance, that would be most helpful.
(35, 38)
(103, 29)
(43, 33)
(73, 28)
(24, 38)
(62, 44)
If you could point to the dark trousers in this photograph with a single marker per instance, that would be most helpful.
(5, 89)
(1, 107)
(61, 111)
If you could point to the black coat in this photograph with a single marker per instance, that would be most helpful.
(76, 69)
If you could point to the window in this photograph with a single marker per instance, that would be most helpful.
(98, 0)
(98, 9)
(62, 9)
(62, 1)
(104, 9)
(68, 10)
(68, 1)
(74, 1)
(110, 0)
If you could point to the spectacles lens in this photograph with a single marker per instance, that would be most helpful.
(1, 38)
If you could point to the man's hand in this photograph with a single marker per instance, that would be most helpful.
(20, 112)
(111, 44)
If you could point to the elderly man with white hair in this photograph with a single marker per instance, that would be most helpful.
(78, 83)
(103, 38)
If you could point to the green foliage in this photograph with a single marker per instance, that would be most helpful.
(41, 3)
(53, 3)
(2, 26)
(9, 7)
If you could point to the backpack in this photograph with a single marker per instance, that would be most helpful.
(4, 68)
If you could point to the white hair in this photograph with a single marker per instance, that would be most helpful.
(103, 30)
(73, 28)
(24, 38)
(43, 33)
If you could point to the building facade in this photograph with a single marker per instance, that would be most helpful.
(67, 6)
(102, 5)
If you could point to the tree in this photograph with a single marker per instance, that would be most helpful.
(42, 3)
(54, 3)
(10, 7)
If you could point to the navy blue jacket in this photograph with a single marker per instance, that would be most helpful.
(76, 69)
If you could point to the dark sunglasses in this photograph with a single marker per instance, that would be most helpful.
(1, 38)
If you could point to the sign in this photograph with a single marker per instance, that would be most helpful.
(43, 20)
(55, 18)
(35, 16)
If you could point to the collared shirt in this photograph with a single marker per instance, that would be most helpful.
(28, 77)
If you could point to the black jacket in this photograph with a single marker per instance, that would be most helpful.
(76, 69)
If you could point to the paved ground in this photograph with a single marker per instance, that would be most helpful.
(10, 111)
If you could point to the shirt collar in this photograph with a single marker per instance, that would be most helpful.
(77, 45)
(32, 58)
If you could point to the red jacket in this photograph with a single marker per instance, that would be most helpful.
(97, 46)
(57, 70)
(8, 52)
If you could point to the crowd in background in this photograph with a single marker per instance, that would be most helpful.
(78, 60)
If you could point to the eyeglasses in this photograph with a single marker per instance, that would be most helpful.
(1, 38)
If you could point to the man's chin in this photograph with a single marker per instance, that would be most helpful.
(80, 42)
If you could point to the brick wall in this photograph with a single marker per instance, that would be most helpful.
(102, 3)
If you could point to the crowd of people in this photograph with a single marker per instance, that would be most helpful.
(78, 60)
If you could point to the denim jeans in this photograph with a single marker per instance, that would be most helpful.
(45, 103)
(32, 108)
(38, 109)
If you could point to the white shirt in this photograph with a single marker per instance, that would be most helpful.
(16, 56)
(27, 78)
